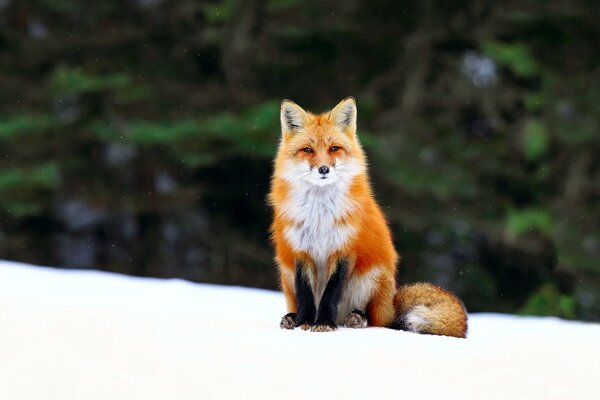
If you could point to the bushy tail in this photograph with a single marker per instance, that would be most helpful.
(427, 308)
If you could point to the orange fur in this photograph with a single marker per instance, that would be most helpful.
(440, 304)
(370, 246)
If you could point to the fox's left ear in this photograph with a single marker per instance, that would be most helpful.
(344, 115)
(292, 117)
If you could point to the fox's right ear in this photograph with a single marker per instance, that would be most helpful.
(292, 117)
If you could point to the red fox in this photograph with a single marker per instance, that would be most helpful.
(337, 262)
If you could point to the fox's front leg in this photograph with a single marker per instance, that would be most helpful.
(305, 316)
(298, 295)
(328, 306)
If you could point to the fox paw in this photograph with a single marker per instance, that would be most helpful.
(323, 327)
(288, 321)
(356, 319)
(304, 320)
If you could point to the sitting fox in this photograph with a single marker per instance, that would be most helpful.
(336, 259)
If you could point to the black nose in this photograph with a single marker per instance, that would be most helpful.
(323, 169)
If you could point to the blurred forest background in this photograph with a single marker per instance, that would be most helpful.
(137, 136)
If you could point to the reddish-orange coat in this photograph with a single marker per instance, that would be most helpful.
(331, 139)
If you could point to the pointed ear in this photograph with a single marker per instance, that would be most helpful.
(344, 115)
(292, 117)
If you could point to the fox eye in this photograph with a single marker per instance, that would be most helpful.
(307, 150)
(333, 149)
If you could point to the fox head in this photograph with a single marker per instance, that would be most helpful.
(319, 149)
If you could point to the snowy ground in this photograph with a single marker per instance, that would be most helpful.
(91, 335)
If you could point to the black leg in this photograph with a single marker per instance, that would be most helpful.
(305, 316)
(327, 313)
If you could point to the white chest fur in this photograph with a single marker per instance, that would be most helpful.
(316, 211)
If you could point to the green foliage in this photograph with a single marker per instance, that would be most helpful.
(516, 56)
(219, 11)
(250, 133)
(11, 127)
(548, 300)
(535, 102)
(145, 133)
(523, 221)
(23, 191)
(68, 80)
(44, 176)
(535, 140)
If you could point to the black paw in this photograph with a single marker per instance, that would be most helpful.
(356, 319)
(288, 321)
(323, 326)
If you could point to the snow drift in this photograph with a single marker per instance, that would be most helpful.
(92, 335)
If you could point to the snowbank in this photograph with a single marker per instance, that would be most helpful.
(92, 335)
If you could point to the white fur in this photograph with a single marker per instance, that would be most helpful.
(314, 205)
(357, 293)
(345, 114)
(291, 116)
(300, 175)
(416, 319)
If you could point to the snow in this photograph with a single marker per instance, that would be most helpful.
(67, 334)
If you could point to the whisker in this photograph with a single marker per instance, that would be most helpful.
(345, 163)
